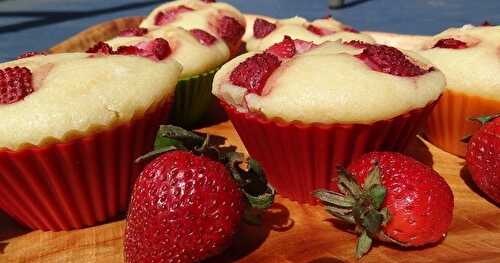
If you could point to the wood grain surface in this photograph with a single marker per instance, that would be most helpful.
(291, 232)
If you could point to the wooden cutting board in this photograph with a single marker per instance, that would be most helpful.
(291, 232)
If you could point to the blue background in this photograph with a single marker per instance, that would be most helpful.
(37, 25)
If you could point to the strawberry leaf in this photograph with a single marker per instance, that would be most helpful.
(155, 153)
(373, 177)
(334, 198)
(485, 118)
(364, 244)
(377, 195)
(347, 184)
(187, 138)
(372, 221)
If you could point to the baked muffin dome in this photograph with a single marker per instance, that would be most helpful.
(469, 57)
(333, 82)
(195, 55)
(317, 31)
(219, 19)
(79, 92)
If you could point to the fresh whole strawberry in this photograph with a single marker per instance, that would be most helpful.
(483, 157)
(393, 198)
(15, 84)
(186, 206)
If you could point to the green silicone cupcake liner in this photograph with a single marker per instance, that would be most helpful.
(193, 97)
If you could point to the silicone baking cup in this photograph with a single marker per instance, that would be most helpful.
(193, 98)
(81, 182)
(300, 158)
(449, 122)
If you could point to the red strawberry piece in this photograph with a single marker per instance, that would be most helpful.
(31, 54)
(302, 46)
(231, 31)
(283, 49)
(15, 84)
(262, 28)
(184, 208)
(157, 49)
(483, 158)
(101, 48)
(486, 23)
(450, 43)
(128, 50)
(357, 44)
(170, 14)
(350, 29)
(209, 1)
(390, 60)
(319, 31)
(133, 32)
(203, 37)
(394, 198)
(254, 72)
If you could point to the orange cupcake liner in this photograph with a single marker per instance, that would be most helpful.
(299, 158)
(449, 122)
(79, 183)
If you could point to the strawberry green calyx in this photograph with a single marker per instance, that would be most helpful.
(251, 181)
(485, 118)
(360, 206)
(482, 120)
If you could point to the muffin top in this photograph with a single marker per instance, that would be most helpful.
(196, 50)
(50, 98)
(469, 57)
(219, 19)
(333, 82)
(267, 33)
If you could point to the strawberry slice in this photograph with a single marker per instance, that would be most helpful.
(390, 60)
(203, 37)
(101, 48)
(302, 46)
(319, 31)
(31, 54)
(133, 32)
(262, 28)
(170, 14)
(283, 49)
(231, 31)
(450, 43)
(15, 84)
(253, 73)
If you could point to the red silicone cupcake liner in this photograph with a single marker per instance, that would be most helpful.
(450, 121)
(79, 183)
(299, 158)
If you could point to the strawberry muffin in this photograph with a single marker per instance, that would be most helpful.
(219, 19)
(72, 125)
(202, 35)
(470, 59)
(265, 32)
(302, 109)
